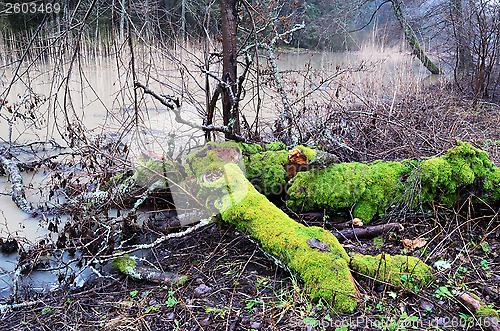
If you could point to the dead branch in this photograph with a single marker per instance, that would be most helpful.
(175, 106)
(367, 232)
(11, 169)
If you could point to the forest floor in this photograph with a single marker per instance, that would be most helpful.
(232, 285)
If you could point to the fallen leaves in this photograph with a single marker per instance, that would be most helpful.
(357, 222)
(413, 244)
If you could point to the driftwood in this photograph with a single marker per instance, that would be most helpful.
(487, 315)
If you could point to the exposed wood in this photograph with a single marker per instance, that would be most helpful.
(474, 305)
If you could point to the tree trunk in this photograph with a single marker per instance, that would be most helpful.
(464, 57)
(412, 39)
(368, 190)
(313, 253)
(229, 18)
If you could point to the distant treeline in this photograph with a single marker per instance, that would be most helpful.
(328, 23)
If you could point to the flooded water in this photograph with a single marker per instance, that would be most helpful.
(99, 96)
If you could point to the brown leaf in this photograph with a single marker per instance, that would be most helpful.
(413, 244)
(296, 156)
(357, 222)
(315, 243)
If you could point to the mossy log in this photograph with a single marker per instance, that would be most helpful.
(129, 266)
(219, 183)
(371, 189)
(311, 252)
(326, 272)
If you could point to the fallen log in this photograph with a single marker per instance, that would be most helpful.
(311, 252)
(372, 189)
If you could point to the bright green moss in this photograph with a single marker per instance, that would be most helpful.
(463, 165)
(275, 146)
(326, 274)
(369, 188)
(249, 149)
(396, 270)
(266, 171)
(487, 311)
(310, 153)
(125, 264)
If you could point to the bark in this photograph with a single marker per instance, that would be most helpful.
(412, 39)
(229, 17)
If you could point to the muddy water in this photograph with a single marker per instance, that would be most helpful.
(101, 98)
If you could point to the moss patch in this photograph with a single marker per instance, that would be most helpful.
(125, 264)
(326, 273)
(275, 146)
(397, 270)
(487, 311)
(266, 171)
(249, 149)
(371, 188)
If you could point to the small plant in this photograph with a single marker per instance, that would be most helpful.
(251, 303)
(310, 321)
(378, 241)
(45, 310)
(134, 293)
(171, 301)
(484, 264)
(443, 292)
(151, 308)
(485, 246)
(218, 312)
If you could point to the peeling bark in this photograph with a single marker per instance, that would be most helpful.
(11, 169)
